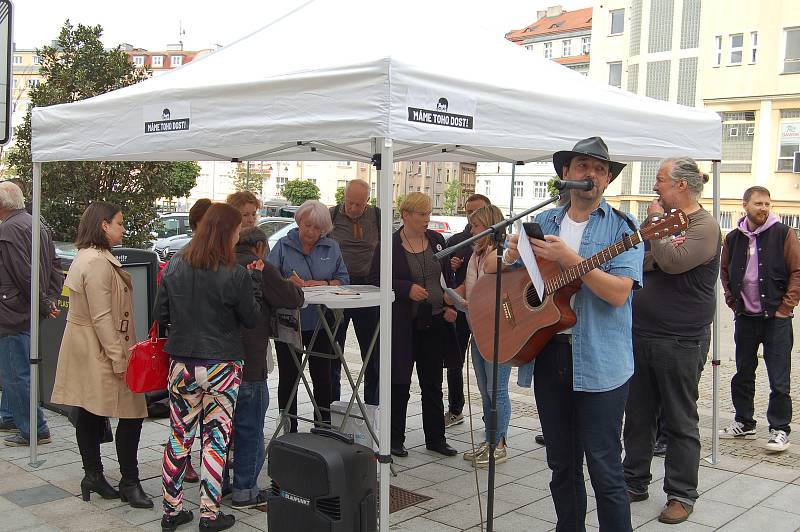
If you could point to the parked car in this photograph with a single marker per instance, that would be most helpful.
(271, 224)
(166, 248)
(171, 224)
(280, 233)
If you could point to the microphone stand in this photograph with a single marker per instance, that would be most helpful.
(498, 234)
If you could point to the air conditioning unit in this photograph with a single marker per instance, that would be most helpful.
(796, 163)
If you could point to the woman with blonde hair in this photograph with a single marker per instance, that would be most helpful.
(93, 358)
(422, 327)
(483, 261)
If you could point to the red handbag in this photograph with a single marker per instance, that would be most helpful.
(148, 367)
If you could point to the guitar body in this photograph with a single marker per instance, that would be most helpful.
(525, 324)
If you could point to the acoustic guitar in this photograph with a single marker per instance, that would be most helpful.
(527, 322)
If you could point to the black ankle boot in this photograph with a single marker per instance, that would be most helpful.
(131, 491)
(94, 481)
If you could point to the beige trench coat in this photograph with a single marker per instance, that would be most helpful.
(94, 351)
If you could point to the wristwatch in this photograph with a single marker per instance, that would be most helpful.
(504, 259)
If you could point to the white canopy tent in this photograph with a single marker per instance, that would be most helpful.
(367, 81)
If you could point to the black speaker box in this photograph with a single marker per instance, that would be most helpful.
(321, 482)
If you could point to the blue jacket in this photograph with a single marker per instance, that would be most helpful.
(602, 347)
(324, 263)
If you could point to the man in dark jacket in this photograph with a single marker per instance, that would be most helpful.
(455, 367)
(15, 315)
(760, 273)
(356, 228)
(253, 399)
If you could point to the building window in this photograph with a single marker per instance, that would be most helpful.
(487, 188)
(690, 24)
(737, 41)
(548, 50)
(642, 212)
(157, 61)
(540, 190)
(438, 202)
(34, 82)
(617, 21)
(625, 206)
(566, 48)
(138, 60)
(636, 27)
(660, 26)
(586, 45)
(738, 131)
(687, 81)
(175, 60)
(726, 220)
(792, 220)
(658, 80)
(16, 83)
(789, 138)
(791, 61)
(625, 180)
(280, 182)
(753, 46)
(615, 74)
(647, 179)
(36, 60)
(17, 59)
(519, 189)
(718, 50)
(633, 78)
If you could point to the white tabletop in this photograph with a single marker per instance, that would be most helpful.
(349, 296)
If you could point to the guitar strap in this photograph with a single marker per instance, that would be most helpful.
(626, 218)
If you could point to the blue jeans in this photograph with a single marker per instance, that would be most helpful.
(578, 423)
(5, 411)
(248, 438)
(483, 373)
(15, 376)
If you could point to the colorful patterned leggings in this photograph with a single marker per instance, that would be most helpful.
(207, 391)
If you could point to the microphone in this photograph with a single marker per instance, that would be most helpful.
(586, 184)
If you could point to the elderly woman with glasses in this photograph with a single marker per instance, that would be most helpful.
(422, 327)
(308, 257)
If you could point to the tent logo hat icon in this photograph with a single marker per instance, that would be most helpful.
(165, 114)
(159, 119)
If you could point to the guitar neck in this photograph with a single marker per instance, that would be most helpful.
(582, 268)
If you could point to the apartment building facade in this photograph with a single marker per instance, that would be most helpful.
(737, 57)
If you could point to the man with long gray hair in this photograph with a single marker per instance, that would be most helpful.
(672, 316)
(15, 311)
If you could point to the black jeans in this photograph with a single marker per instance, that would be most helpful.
(88, 429)
(665, 380)
(429, 358)
(320, 369)
(777, 337)
(455, 371)
(364, 322)
(575, 424)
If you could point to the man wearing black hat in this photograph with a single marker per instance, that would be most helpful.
(581, 378)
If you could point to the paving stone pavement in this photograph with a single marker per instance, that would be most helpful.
(747, 489)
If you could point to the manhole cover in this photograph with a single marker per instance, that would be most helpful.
(400, 498)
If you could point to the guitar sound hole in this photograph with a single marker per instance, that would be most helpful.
(531, 297)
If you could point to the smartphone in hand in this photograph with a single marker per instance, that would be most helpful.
(533, 230)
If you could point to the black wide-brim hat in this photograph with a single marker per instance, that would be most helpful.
(593, 147)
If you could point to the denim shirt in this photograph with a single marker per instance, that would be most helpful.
(324, 262)
(602, 348)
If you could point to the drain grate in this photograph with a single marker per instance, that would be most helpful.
(400, 498)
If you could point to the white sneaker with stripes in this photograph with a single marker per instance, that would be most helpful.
(736, 431)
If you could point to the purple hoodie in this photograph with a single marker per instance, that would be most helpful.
(751, 292)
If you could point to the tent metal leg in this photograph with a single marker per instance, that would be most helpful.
(34, 354)
(386, 170)
(714, 459)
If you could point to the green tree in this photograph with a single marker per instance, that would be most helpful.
(339, 195)
(74, 68)
(251, 181)
(399, 201)
(299, 190)
(551, 188)
(451, 195)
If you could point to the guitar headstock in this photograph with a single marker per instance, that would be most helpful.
(667, 224)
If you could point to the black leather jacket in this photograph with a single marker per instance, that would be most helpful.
(205, 309)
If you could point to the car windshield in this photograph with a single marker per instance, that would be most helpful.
(167, 227)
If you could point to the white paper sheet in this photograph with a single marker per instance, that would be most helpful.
(529, 259)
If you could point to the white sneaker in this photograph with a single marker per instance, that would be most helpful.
(778, 441)
(736, 431)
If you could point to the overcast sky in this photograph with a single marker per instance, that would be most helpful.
(152, 24)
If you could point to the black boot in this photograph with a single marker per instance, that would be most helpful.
(131, 491)
(94, 481)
